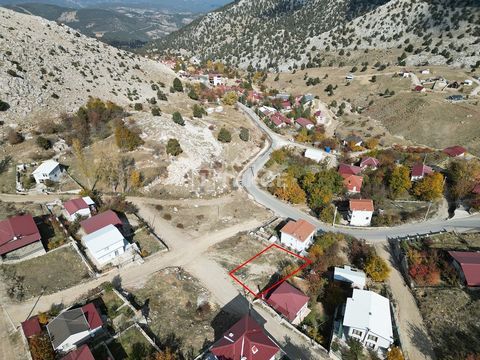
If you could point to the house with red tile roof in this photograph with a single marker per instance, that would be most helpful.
(298, 234)
(345, 169)
(419, 170)
(20, 237)
(360, 212)
(290, 302)
(81, 353)
(280, 120)
(74, 326)
(455, 151)
(369, 162)
(31, 327)
(419, 88)
(76, 208)
(245, 341)
(467, 264)
(304, 123)
(353, 183)
(100, 221)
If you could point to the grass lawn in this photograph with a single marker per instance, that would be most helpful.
(121, 318)
(52, 272)
(148, 243)
(171, 298)
(131, 344)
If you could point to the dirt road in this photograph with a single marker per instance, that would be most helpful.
(416, 342)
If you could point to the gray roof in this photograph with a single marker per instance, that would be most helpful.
(65, 325)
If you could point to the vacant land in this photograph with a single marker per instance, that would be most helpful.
(451, 315)
(49, 273)
(264, 270)
(131, 344)
(11, 209)
(148, 244)
(454, 241)
(177, 307)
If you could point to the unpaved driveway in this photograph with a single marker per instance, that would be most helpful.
(416, 342)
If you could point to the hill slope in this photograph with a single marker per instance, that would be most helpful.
(46, 69)
(288, 33)
(262, 31)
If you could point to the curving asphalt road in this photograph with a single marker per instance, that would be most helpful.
(249, 183)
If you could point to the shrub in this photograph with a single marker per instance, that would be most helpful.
(138, 107)
(4, 106)
(43, 142)
(167, 217)
(156, 111)
(14, 137)
(127, 139)
(161, 95)
(224, 136)
(244, 134)
(377, 268)
(177, 85)
(173, 147)
(178, 119)
(198, 111)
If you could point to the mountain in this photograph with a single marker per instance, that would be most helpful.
(170, 6)
(47, 69)
(288, 33)
(120, 26)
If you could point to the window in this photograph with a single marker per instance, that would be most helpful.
(370, 345)
(372, 338)
(357, 332)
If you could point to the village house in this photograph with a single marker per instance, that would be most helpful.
(419, 171)
(366, 318)
(279, 120)
(31, 327)
(289, 302)
(467, 264)
(356, 278)
(20, 238)
(99, 221)
(254, 96)
(455, 151)
(345, 169)
(266, 110)
(314, 154)
(369, 162)
(298, 234)
(468, 82)
(215, 79)
(245, 341)
(76, 208)
(73, 327)
(353, 140)
(105, 244)
(353, 183)
(360, 212)
(425, 71)
(81, 353)
(304, 123)
(48, 170)
(319, 117)
(419, 88)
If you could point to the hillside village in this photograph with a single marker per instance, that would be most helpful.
(176, 206)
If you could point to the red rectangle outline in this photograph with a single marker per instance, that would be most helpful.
(231, 273)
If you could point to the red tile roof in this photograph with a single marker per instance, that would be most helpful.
(345, 169)
(299, 229)
(303, 122)
(17, 232)
(74, 205)
(287, 300)
(419, 88)
(419, 170)
(245, 341)
(91, 314)
(99, 221)
(470, 263)
(361, 205)
(279, 119)
(31, 327)
(82, 353)
(454, 151)
(369, 161)
(353, 183)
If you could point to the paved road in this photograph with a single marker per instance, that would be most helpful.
(248, 181)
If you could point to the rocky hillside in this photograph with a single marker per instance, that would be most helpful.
(289, 33)
(46, 69)
(262, 32)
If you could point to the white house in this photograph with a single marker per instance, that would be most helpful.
(48, 170)
(360, 212)
(297, 235)
(105, 244)
(367, 318)
(316, 155)
(355, 277)
(215, 80)
(73, 327)
(76, 208)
